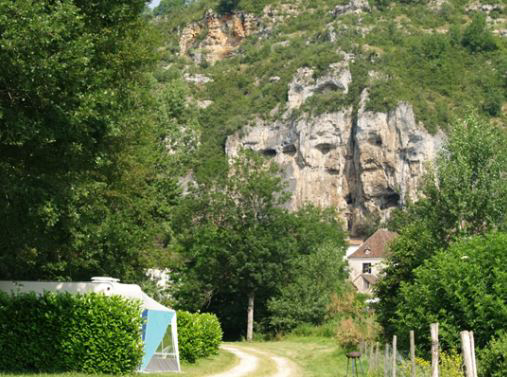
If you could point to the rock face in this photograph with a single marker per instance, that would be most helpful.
(354, 6)
(305, 85)
(216, 37)
(361, 162)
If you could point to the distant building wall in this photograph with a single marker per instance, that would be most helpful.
(356, 270)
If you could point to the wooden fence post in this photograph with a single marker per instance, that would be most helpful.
(371, 359)
(412, 353)
(394, 355)
(434, 350)
(377, 356)
(467, 353)
(386, 360)
(472, 346)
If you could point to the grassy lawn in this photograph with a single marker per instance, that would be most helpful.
(203, 367)
(315, 356)
(210, 365)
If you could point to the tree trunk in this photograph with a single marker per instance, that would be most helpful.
(250, 315)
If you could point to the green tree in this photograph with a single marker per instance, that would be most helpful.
(307, 297)
(463, 287)
(464, 195)
(238, 245)
(493, 358)
(78, 146)
(166, 6)
(229, 231)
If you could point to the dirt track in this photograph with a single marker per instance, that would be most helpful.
(249, 360)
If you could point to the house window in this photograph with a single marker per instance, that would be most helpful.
(366, 268)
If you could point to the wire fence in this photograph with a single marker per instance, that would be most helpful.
(376, 360)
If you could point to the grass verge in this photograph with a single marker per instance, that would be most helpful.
(214, 364)
(208, 366)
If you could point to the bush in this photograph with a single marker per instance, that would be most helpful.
(493, 358)
(477, 37)
(352, 331)
(450, 365)
(463, 287)
(227, 6)
(89, 333)
(199, 335)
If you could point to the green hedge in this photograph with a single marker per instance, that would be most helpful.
(90, 333)
(199, 335)
(493, 358)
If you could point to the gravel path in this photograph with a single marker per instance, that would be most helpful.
(249, 362)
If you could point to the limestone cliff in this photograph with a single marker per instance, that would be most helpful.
(301, 91)
(363, 163)
(216, 37)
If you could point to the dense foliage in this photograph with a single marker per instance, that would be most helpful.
(170, 7)
(461, 288)
(307, 296)
(62, 332)
(236, 242)
(493, 358)
(80, 185)
(199, 335)
(166, 6)
(464, 196)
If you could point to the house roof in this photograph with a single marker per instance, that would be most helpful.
(375, 246)
(354, 241)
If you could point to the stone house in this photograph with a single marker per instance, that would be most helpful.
(366, 263)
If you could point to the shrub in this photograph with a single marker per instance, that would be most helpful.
(89, 333)
(493, 358)
(463, 287)
(352, 331)
(357, 324)
(227, 6)
(477, 37)
(348, 334)
(199, 335)
(450, 365)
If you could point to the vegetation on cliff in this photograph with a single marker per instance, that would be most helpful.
(444, 59)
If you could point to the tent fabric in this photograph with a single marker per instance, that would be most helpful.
(158, 318)
(151, 304)
(153, 336)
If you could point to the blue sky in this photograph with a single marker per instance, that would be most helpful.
(154, 3)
